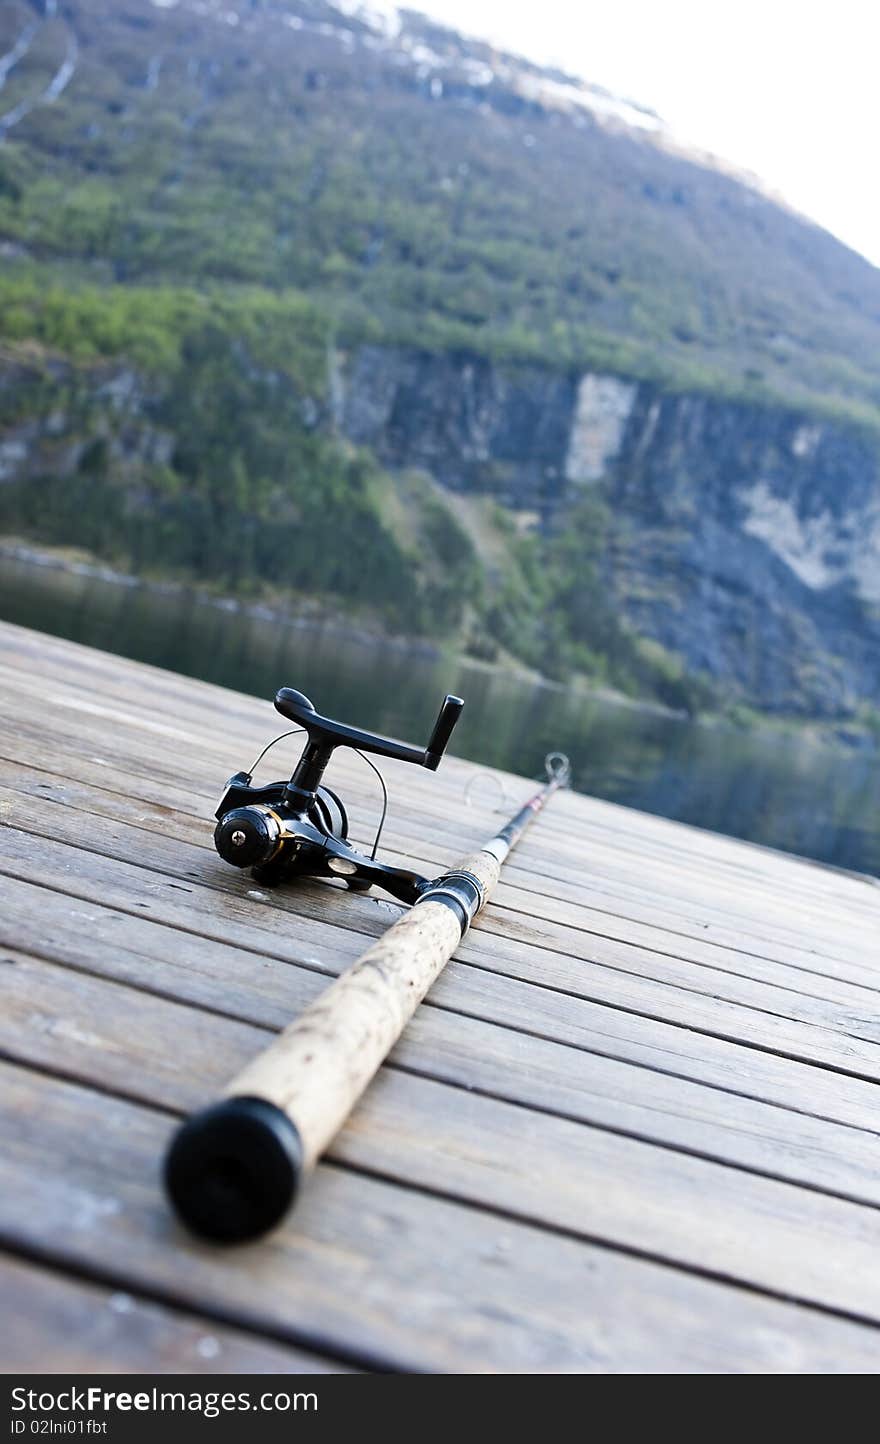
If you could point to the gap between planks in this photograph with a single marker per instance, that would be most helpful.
(839, 1285)
(794, 867)
(70, 1027)
(839, 1006)
(222, 912)
(84, 1327)
(121, 803)
(739, 869)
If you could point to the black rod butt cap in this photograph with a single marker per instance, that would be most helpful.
(233, 1170)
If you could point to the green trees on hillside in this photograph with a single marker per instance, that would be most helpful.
(215, 207)
(257, 497)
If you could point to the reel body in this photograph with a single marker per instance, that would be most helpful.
(300, 827)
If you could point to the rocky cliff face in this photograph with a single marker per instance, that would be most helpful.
(743, 538)
(747, 540)
(53, 415)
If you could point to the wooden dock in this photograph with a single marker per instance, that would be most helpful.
(634, 1128)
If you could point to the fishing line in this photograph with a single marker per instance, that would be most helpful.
(297, 732)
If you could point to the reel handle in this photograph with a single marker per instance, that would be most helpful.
(325, 734)
(450, 711)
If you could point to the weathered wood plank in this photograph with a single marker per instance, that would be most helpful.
(67, 1326)
(857, 940)
(266, 925)
(803, 973)
(615, 1188)
(826, 1002)
(387, 1273)
(219, 977)
(810, 881)
(120, 677)
(657, 1043)
(165, 802)
(156, 1052)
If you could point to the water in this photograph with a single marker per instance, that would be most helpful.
(789, 792)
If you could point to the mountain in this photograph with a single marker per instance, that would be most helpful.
(303, 297)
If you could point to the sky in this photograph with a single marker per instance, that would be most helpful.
(788, 91)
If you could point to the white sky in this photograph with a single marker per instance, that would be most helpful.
(790, 91)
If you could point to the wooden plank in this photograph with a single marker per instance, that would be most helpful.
(123, 678)
(807, 974)
(387, 1273)
(655, 1047)
(221, 978)
(528, 890)
(153, 1051)
(829, 1003)
(855, 939)
(488, 1152)
(61, 1325)
(80, 660)
(259, 923)
(808, 879)
(265, 925)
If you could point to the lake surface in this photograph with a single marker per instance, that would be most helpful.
(783, 791)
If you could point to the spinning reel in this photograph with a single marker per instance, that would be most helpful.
(300, 828)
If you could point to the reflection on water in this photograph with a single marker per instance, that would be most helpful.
(782, 791)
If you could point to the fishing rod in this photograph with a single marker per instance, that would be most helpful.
(233, 1169)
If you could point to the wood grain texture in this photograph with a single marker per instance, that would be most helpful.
(51, 1021)
(225, 980)
(634, 1120)
(82, 1328)
(200, 896)
(483, 1150)
(392, 1275)
(554, 863)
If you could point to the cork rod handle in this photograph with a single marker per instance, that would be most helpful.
(234, 1169)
